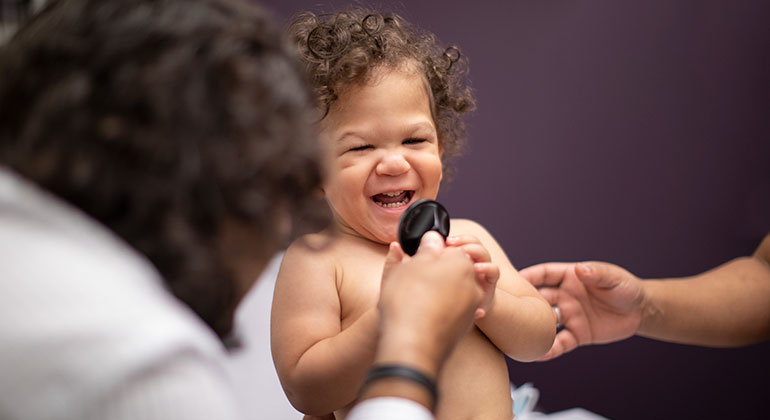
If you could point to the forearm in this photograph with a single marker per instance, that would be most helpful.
(401, 348)
(328, 375)
(724, 307)
(521, 327)
(405, 345)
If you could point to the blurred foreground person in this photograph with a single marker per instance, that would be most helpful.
(154, 154)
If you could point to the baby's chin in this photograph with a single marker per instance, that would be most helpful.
(384, 237)
(379, 236)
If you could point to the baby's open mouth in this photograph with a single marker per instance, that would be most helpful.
(393, 199)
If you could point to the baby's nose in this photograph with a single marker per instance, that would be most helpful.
(392, 164)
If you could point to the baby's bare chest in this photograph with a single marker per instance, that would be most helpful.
(358, 283)
(476, 363)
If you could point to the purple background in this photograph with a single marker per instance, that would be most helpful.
(628, 131)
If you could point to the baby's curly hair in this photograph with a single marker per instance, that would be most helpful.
(345, 48)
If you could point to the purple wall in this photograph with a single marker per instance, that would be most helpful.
(628, 131)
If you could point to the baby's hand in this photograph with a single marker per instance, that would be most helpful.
(487, 272)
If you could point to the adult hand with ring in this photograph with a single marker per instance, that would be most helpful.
(595, 302)
(559, 320)
(725, 306)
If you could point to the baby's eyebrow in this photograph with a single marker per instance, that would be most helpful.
(423, 125)
(350, 133)
(407, 130)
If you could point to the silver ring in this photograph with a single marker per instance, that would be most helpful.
(557, 311)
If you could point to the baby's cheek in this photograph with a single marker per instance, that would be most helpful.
(434, 182)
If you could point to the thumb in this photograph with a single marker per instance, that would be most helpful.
(599, 274)
(431, 242)
(395, 254)
(394, 257)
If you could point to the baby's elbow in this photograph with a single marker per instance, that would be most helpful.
(533, 354)
(541, 336)
(538, 347)
(546, 331)
(295, 387)
(305, 402)
(546, 340)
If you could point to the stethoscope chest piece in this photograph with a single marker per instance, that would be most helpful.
(419, 218)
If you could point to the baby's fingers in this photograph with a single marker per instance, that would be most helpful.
(477, 252)
(487, 273)
(460, 240)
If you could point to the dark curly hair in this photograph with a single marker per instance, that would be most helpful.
(345, 48)
(165, 119)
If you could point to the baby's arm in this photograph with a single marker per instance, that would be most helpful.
(520, 322)
(320, 365)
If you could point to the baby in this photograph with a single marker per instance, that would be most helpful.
(390, 103)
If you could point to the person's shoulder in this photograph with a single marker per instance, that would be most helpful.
(87, 300)
(314, 246)
(76, 276)
(311, 253)
(467, 227)
(59, 259)
(470, 227)
(331, 245)
(331, 253)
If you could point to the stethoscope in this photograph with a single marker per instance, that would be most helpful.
(421, 217)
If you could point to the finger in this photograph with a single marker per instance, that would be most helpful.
(551, 295)
(564, 342)
(546, 274)
(567, 340)
(600, 274)
(431, 243)
(487, 272)
(458, 240)
(477, 252)
(395, 254)
(480, 313)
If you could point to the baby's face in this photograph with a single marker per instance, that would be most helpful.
(386, 153)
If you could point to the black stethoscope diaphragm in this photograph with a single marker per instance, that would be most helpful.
(419, 218)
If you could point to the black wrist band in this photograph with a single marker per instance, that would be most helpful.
(403, 372)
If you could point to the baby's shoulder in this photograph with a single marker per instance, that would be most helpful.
(315, 248)
(459, 227)
(332, 256)
(326, 248)
(308, 259)
(467, 227)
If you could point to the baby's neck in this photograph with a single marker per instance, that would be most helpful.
(354, 238)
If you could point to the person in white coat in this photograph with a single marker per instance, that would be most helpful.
(154, 154)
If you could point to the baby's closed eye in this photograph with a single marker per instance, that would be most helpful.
(360, 148)
(414, 141)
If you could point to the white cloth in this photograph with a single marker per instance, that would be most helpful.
(386, 408)
(250, 367)
(87, 329)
